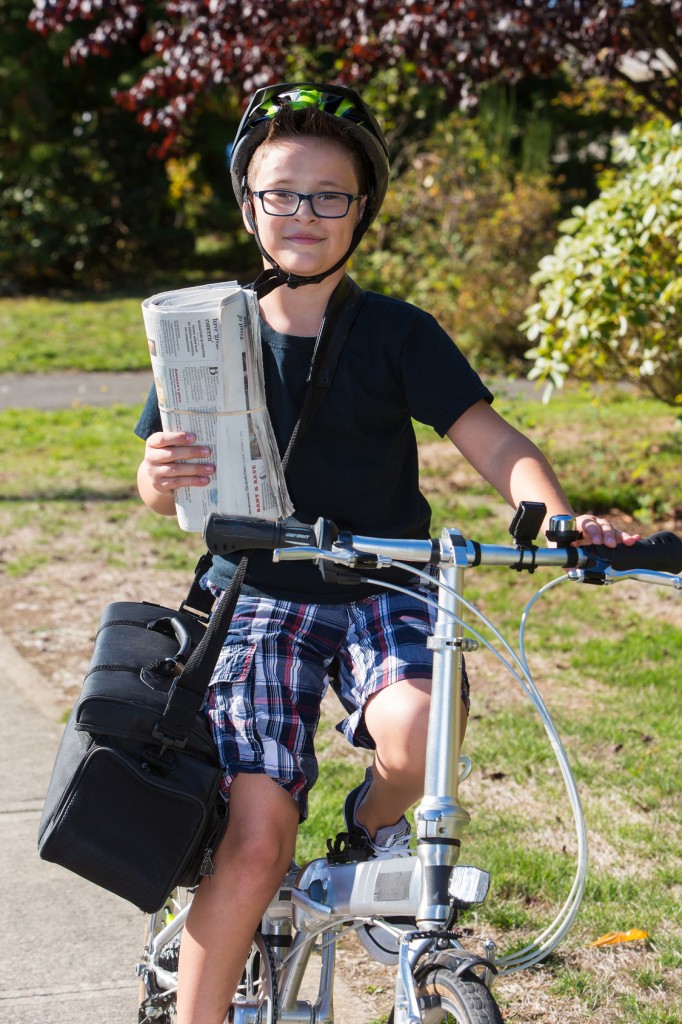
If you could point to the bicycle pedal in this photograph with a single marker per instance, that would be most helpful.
(347, 848)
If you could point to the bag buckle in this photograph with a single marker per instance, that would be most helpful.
(166, 741)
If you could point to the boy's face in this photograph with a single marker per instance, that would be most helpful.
(303, 243)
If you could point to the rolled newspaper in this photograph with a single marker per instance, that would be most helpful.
(208, 371)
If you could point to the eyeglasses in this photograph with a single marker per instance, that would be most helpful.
(278, 202)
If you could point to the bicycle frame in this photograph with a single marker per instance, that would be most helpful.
(328, 897)
(322, 899)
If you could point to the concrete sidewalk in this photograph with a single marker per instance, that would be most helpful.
(67, 948)
(63, 390)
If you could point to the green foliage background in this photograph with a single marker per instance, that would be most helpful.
(81, 202)
(478, 201)
(611, 292)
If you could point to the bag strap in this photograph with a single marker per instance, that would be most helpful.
(339, 317)
(337, 323)
(188, 690)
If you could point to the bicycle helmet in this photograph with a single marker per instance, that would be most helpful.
(351, 113)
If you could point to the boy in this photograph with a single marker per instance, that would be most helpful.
(309, 168)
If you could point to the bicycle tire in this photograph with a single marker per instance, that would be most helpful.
(258, 983)
(149, 991)
(447, 997)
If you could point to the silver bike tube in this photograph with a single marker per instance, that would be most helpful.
(440, 819)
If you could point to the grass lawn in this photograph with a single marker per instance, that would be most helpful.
(40, 334)
(72, 533)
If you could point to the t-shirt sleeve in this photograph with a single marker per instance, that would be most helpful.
(150, 417)
(440, 383)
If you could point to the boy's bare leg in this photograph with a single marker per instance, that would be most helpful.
(249, 866)
(397, 719)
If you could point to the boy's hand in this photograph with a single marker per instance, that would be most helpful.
(166, 461)
(597, 530)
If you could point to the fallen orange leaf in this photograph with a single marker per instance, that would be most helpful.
(613, 938)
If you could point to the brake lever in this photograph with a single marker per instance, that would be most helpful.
(344, 556)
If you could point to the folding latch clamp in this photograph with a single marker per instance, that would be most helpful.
(465, 644)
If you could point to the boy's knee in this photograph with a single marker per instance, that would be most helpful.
(258, 859)
(263, 851)
(399, 713)
(261, 832)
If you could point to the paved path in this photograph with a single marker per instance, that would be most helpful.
(67, 949)
(63, 390)
(66, 390)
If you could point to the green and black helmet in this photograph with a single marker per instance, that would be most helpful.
(350, 112)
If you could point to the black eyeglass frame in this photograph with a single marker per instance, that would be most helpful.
(310, 196)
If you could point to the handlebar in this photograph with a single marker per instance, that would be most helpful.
(291, 540)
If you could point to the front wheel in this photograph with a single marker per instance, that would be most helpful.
(446, 997)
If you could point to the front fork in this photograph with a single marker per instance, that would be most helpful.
(440, 819)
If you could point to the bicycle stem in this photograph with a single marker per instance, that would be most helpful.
(439, 818)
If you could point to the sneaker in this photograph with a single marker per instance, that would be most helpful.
(390, 840)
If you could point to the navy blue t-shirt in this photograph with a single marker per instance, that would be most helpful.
(357, 463)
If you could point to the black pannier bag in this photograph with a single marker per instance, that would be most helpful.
(134, 801)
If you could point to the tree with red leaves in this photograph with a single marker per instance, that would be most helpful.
(192, 48)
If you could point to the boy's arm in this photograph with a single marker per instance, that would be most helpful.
(165, 468)
(519, 471)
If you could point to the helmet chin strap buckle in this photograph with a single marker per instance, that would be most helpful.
(293, 281)
(275, 277)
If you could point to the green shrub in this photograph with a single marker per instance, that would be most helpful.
(610, 300)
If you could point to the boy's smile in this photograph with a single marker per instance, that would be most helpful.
(304, 243)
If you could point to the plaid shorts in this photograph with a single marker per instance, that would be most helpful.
(272, 674)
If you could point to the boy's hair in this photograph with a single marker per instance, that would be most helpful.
(311, 122)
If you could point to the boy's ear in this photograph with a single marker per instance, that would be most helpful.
(248, 215)
(361, 209)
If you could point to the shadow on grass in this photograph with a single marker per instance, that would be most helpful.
(75, 494)
(234, 264)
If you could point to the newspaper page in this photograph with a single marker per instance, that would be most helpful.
(206, 358)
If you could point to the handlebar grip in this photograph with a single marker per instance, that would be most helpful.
(225, 535)
(662, 552)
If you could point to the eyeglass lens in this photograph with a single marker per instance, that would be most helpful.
(280, 203)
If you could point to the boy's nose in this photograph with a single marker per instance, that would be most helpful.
(306, 212)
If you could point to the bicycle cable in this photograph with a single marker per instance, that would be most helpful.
(542, 945)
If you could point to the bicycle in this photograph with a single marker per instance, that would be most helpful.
(411, 904)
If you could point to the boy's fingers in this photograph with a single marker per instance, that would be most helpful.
(190, 470)
(165, 453)
(170, 439)
(173, 483)
(601, 531)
